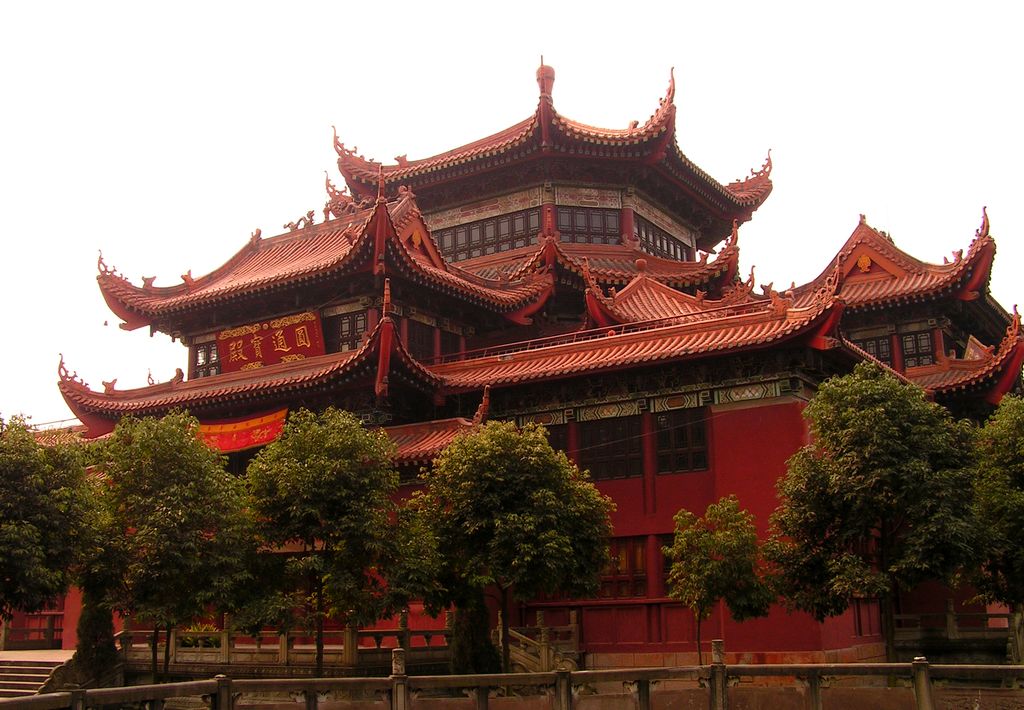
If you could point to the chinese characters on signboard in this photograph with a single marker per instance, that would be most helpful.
(270, 342)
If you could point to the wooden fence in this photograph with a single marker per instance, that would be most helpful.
(709, 686)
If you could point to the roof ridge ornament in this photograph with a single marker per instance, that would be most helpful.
(385, 309)
(545, 79)
(380, 183)
(982, 231)
(65, 376)
(480, 416)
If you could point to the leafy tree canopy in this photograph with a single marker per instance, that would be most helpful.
(510, 511)
(999, 504)
(880, 501)
(717, 557)
(324, 490)
(176, 519)
(43, 511)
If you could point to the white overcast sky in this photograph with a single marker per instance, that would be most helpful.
(164, 133)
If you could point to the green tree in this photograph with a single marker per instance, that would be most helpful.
(42, 517)
(999, 505)
(322, 494)
(177, 525)
(878, 503)
(717, 557)
(511, 512)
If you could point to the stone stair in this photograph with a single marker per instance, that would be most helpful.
(19, 678)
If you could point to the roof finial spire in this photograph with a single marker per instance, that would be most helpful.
(545, 78)
(386, 304)
(380, 182)
(982, 231)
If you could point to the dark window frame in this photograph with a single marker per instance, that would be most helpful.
(681, 441)
(612, 448)
(205, 360)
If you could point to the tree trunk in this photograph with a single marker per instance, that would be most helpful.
(167, 649)
(506, 651)
(698, 615)
(319, 628)
(153, 640)
(888, 626)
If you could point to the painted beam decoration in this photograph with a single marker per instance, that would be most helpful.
(284, 339)
(239, 434)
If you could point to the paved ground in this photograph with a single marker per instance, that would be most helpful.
(57, 655)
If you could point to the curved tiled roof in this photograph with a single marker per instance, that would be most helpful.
(327, 250)
(421, 442)
(637, 345)
(646, 298)
(877, 272)
(949, 376)
(546, 130)
(616, 264)
(236, 386)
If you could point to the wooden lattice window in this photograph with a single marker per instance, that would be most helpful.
(558, 437)
(612, 448)
(345, 331)
(626, 573)
(451, 343)
(880, 348)
(421, 340)
(918, 349)
(205, 360)
(589, 225)
(487, 236)
(682, 440)
(655, 240)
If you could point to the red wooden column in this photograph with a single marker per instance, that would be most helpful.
(403, 331)
(655, 568)
(938, 346)
(437, 344)
(372, 316)
(896, 345)
(650, 459)
(626, 225)
(572, 441)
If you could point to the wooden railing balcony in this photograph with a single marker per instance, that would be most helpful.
(951, 625)
(342, 647)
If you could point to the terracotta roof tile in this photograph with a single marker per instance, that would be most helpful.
(656, 138)
(243, 384)
(637, 344)
(423, 441)
(876, 271)
(335, 247)
(952, 375)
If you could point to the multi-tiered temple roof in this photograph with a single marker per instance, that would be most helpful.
(546, 309)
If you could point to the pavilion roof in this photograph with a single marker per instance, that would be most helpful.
(380, 355)
(608, 264)
(361, 239)
(757, 325)
(420, 442)
(875, 272)
(991, 370)
(546, 132)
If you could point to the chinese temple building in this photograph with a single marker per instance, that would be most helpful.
(587, 279)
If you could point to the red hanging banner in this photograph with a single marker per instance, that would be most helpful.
(269, 342)
(239, 434)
